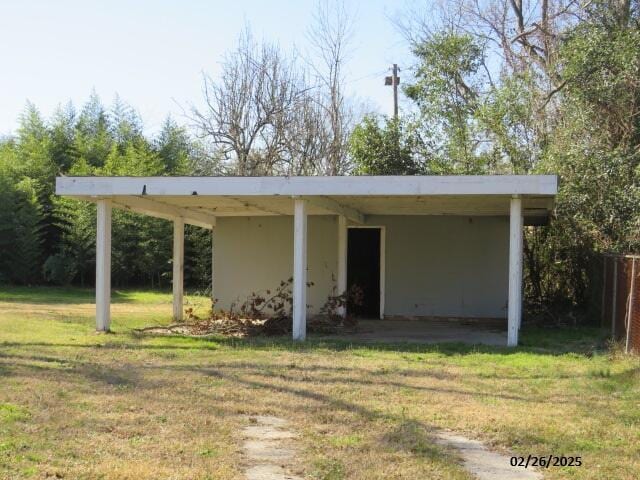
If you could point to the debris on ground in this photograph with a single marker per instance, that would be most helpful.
(266, 313)
(248, 327)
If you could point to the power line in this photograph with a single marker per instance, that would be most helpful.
(370, 75)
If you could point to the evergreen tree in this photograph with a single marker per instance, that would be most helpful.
(20, 236)
(35, 162)
(63, 149)
(77, 222)
(174, 148)
(125, 124)
(93, 137)
(136, 159)
(33, 149)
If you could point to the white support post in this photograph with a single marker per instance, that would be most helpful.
(213, 257)
(178, 268)
(300, 270)
(342, 260)
(515, 271)
(103, 266)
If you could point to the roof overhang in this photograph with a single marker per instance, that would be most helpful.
(199, 200)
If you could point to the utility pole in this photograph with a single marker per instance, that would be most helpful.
(394, 80)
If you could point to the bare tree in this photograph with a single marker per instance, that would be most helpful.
(307, 136)
(330, 35)
(247, 111)
(520, 33)
(265, 115)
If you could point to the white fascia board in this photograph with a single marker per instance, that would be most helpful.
(539, 185)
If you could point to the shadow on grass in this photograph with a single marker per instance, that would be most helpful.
(549, 341)
(244, 374)
(555, 341)
(303, 396)
(402, 433)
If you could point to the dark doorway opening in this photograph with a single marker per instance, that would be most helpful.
(363, 270)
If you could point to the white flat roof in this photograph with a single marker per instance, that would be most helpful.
(351, 185)
(199, 200)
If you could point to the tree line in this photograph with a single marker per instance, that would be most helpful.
(271, 112)
(48, 239)
(502, 86)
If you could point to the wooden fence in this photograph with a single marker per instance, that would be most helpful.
(621, 299)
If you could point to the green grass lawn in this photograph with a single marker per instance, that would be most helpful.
(75, 404)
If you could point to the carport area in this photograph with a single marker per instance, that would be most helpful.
(429, 331)
(414, 246)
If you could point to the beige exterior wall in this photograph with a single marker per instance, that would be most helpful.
(446, 265)
(435, 265)
(256, 253)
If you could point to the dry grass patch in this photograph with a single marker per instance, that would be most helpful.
(77, 405)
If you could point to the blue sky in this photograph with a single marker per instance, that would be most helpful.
(152, 52)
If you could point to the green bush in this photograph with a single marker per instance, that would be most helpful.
(59, 269)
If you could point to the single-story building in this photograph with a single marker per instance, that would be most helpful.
(418, 246)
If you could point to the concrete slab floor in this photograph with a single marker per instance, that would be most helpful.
(431, 330)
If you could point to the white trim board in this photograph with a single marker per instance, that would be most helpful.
(543, 185)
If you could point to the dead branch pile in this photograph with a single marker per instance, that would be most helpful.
(267, 314)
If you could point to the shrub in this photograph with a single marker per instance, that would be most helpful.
(59, 269)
